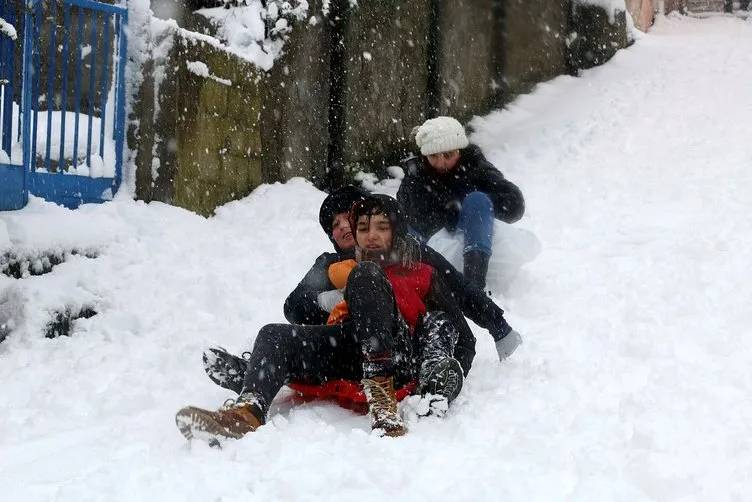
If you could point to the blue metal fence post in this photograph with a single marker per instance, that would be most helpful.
(27, 69)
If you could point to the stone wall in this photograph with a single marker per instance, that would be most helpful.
(203, 147)
(534, 43)
(469, 66)
(295, 111)
(346, 93)
(385, 77)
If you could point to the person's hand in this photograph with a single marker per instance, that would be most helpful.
(452, 210)
(328, 299)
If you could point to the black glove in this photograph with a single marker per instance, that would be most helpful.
(452, 212)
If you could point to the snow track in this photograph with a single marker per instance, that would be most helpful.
(634, 381)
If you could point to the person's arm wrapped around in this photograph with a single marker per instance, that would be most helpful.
(509, 204)
(302, 305)
(426, 214)
(474, 302)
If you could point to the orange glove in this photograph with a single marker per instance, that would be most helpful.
(340, 271)
(338, 274)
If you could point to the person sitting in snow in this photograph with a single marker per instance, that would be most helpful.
(313, 298)
(453, 186)
(397, 322)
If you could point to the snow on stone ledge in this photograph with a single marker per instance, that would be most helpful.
(200, 69)
(255, 33)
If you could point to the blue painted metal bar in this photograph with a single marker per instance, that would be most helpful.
(104, 7)
(77, 84)
(26, 99)
(120, 102)
(7, 73)
(64, 61)
(51, 81)
(92, 77)
(70, 190)
(37, 68)
(103, 89)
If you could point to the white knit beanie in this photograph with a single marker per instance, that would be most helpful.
(442, 134)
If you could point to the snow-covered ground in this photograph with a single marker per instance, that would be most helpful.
(634, 381)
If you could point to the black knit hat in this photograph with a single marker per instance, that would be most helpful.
(339, 201)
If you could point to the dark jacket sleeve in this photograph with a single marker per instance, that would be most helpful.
(440, 298)
(509, 204)
(302, 306)
(425, 212)
(475, 303)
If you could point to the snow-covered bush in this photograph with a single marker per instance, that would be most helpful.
(610, 6)
(8, 29)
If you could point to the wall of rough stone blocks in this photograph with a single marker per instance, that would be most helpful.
(534, 43)
(346, 93)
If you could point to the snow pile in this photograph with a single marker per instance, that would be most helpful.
(633, 383)
(8, 29)
(256, 32)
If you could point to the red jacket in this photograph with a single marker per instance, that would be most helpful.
(410, 286)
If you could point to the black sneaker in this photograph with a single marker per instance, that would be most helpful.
(225, 369)
(444, 379)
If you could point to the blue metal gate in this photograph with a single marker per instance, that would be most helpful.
(73, 99)
(13, 180)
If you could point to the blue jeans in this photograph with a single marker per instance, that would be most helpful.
(476, 222)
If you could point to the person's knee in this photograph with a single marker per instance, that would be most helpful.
(366, 273)
(272, 334)
(478, 201)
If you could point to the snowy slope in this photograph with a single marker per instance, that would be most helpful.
(633, 383)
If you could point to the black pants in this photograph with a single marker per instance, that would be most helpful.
(374, 341)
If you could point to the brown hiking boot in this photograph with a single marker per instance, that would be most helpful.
(232, 421)
(382, 406)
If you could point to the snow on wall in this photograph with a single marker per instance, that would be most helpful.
(255, 33)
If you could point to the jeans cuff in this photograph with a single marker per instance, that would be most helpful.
(477, 247)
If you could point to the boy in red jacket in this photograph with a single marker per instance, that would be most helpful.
(400, 324)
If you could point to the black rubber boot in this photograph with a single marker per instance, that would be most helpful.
(476, 267)
(225, 369)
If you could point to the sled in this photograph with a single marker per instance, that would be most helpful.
(346, 393)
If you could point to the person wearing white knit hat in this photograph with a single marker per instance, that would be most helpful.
(453, 186)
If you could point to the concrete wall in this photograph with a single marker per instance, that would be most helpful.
(642, 12)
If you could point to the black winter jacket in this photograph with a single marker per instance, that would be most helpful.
(302, 307)
(432, 200)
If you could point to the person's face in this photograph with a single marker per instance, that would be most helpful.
(341, 232)
(445, 161)
(374, 232)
